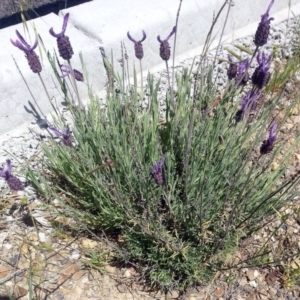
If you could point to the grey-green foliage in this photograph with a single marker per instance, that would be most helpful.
(217, 188)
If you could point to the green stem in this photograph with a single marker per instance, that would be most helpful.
(44, 86)
(75, 85)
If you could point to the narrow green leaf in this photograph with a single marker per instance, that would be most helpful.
(244, 49)
(234, 54)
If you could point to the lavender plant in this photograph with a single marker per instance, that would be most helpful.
(174, 191)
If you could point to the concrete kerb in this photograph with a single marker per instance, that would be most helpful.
(14, 94)
(112, 21)
(92, 26)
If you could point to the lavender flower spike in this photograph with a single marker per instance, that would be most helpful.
(13, 182)
(233, 69)
(63, 43)
(243, 76)
(261, 75)
(66, 135)
(249, 101)
(263, 29)
(138, 47)
(157, 171)
(268, 145)
(164, 50)
(65, 69)
(31, 56)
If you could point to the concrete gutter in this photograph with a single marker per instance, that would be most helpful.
(104, 24)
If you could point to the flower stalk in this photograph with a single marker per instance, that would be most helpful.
(139, 52)
(66, 51)
(164, 52)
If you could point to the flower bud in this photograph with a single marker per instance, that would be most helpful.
(33, 61)
(260, 78)
(268, 145)
(232, 71)
(64, 47)
(138, 50)
(14, 183)
(157, 171)
(164, 50)
(261, 75)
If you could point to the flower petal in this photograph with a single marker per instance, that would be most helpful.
(171, 33)
(34, 45)
(56, 131)
(130, 37)
(144, 36)
(158, 38)
(66, 18)
(20, 37)
(54, 34)
(8, 165)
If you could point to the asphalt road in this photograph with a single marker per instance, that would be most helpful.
(10, 9)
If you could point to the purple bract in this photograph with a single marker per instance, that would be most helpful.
(65, 135)
(261, 74)
(64, 27)
(268, 145)
(157, 171)
(65, 69)
(243, 76)
(248, 102)
(22, 44)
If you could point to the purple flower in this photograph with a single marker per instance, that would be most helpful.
(13, 182)
(243, 76)
(263, 29)
(248, 102)
(65, 69)
(261, 74)
(138, 47)
(233, 69)
(268, 145)
(164, 49)
(66, 135)
(157, 171)
(63, 43)
(31, 56)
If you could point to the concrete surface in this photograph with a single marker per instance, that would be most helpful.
(102, 23)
